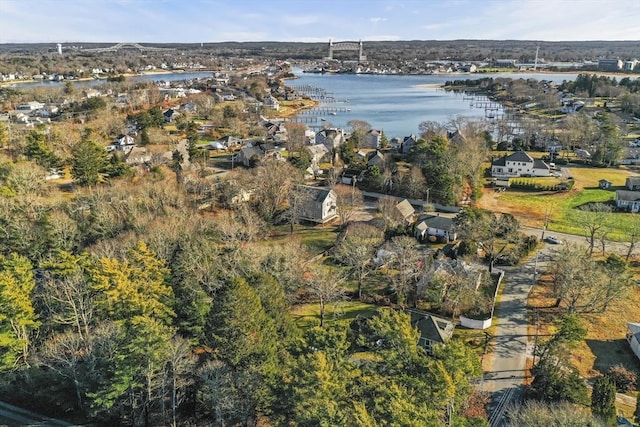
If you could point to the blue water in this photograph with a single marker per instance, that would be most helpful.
(398, 104)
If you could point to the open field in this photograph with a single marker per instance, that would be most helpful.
(605, 344)
(317, 239)
(531, 207)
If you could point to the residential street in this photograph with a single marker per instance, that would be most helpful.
(510, 345)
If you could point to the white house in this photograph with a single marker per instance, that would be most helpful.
(434, 225)
(519, 164)
(30, 106)
(628, 200)
(271, 102)
(321, 205)
(633, 337)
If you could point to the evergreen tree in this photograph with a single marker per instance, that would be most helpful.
(603, 400)
(18, 319)
(89, 162)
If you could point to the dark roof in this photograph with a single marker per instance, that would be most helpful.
(539, 164)
(502, 161)
(605, 181)
(437, 222)
(319, 194)
(630, 196)
(432, 328)
(519, 156)
(633, 180)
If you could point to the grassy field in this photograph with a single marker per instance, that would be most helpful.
(605, 344)
(308, 315)
(531, 207)
(317, 238)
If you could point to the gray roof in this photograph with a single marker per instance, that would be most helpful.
(318, 194)
(633, 180)
(630, 196)
(539, 164)
(502, 161)
(432, 328)
(519, 156)
(437, 222)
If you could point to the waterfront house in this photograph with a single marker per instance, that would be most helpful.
(517, 164)
(332, 138)
(372, 139)
(407, 143)
(271, 102)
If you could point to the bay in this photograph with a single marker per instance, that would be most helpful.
(396, 104)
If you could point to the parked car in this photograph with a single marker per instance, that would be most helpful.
(553, 240)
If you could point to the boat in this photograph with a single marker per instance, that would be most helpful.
(323, 119)
(333, 113)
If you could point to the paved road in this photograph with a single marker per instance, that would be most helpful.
(510, 345)
(12, 416)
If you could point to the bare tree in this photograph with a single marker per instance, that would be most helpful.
(593, 219)
(388, 212)
(177, 375)
(358, 249)
(349, 200)
(405, 260)
(413, 183)
(273, 181)
(295, 136)
(299, 199)
(634, 233)
(325, 286)
(582, 285)
(64, 354)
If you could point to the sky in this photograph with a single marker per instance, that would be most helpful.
(195, 21)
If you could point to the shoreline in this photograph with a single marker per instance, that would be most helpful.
(103, 79)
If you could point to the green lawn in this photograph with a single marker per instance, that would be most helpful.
(308, 315)
(562, 206)
(317, 239)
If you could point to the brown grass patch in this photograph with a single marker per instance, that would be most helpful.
(605, 344)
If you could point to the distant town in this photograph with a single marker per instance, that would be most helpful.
(191, 237)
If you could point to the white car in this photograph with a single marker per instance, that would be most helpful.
(553, 240)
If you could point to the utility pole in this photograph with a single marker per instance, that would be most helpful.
(546, 222)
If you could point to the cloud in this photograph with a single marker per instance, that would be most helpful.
(376, 20)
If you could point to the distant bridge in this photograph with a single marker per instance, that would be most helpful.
(347, 46)
(117, 47)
